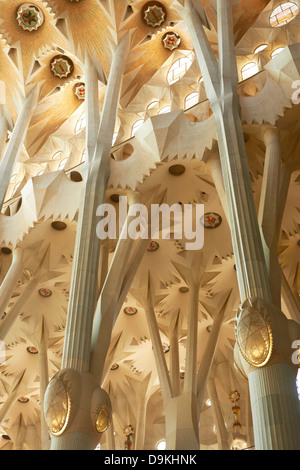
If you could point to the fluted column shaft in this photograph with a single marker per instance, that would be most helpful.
(83, 293)
(275, 423)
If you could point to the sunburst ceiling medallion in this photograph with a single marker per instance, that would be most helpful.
(30, 17)
(154, 14)
(61, 66)
(79, 91)
(171, 41)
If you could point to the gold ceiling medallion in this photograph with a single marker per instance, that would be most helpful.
(171, 41)
(61, 66)
(30, 17)
(154, 14)
(253, 332)
(79, 91)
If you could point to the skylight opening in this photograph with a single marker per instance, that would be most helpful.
(152, 104)
(179, 69)
(277, 51)
(165, 109)
(249, 70)
(62, 164)
(283, 14)
(161, 445)
(80, 124)
(191, 100)
(260, 48)
(136, 126)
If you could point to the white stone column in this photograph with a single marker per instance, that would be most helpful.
(208, 357)
(221, 81)
(222, 434)
(44, 380)
(12, 277)
(141, 423)
(268, 209)
(16, 141)
(190, 385)
(77, 368)
(275, 422)
(83, 292)
(174, 355)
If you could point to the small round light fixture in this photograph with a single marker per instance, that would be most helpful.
(171, 40)
(154, 14)
(32, 350)
(114, 366)
(165, 347)
(44, 292)
(23, 400)
(177, 170)
(30, 17)
(61, 66)
(58, 225)
(211, 220)
(130, 310)
(79, 90)
(153, 246)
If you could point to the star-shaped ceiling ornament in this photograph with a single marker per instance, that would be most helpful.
(30, 17)
(61, 66)
(154, 15)
(171, 41)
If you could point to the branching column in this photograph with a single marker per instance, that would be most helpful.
(257, 308)
(80, 425)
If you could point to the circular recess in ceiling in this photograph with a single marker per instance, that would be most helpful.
(130, 310)
(61, 66)
(154, 14)
(114, 366)
(177, 170)
(30, 17)
(79, 91)
(5, 250)
(115, 197)
(6, 437)
(183, 289)
(153, 246)
(58, 225)
(23, 400)
(211, 220)
(171, 40)
(75, 176)
(44, 292)
(32, 350)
